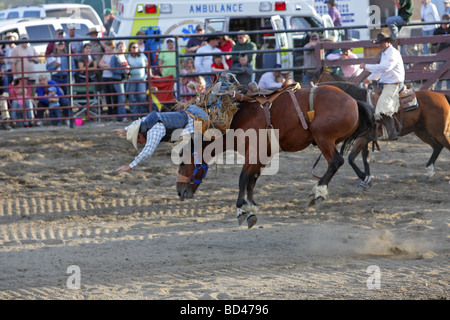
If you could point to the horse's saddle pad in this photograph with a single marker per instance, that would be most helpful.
(407, 98)
(263, 95)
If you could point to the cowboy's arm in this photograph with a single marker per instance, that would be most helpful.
(387, 63)
(154, 136)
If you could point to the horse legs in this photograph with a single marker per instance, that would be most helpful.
(335, 161)
(437, 148)
(246, 207)
(361, 146)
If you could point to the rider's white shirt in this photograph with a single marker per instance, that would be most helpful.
(390, 69)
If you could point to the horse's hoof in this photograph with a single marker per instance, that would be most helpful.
(242, 217)
(318, 200)
(315, 201)
(251, 220)
(366, 183)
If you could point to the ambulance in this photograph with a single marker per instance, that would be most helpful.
(180, 17)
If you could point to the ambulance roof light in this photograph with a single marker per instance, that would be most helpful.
(151, 8)
(265, 6)
(165, 8)
(280, 6)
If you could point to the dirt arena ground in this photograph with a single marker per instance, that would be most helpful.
(65, 213)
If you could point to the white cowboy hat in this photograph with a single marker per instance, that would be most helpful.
(133, 132)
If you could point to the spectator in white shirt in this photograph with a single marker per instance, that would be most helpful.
(270, 80)
(203, 63)
(428, 13)
(391, 72)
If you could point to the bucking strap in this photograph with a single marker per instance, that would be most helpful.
(299, 111)
(311, 112)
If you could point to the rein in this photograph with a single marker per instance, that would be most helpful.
(192, 178)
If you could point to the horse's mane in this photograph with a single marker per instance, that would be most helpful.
(343, 84)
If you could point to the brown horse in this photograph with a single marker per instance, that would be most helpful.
(338, 117)
(430, 122)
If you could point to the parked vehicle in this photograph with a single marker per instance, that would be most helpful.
(63, 10)
(44, 29)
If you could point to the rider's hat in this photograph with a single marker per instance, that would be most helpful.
(383, 38)
(133, 132)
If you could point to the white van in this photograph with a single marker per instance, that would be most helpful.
(63, 10)
(43, 29)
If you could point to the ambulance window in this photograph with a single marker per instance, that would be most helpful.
(215, 26)
(115, 26)
(305, 22)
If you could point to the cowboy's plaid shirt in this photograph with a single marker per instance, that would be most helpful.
(154, 136)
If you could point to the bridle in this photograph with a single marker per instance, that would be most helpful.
(192, 178)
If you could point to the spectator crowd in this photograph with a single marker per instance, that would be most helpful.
(118, 72)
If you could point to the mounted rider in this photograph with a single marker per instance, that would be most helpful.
(391, 72)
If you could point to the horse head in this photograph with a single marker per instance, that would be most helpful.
(190, 173)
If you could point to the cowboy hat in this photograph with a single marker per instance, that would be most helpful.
(12, 34)
(382, 38)
(133, 132)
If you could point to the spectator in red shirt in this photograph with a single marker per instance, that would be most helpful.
(218, 66)
(226, 45)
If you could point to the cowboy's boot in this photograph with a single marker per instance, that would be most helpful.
(389, 124)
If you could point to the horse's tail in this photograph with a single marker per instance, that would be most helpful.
(366, 127)
(448, 98)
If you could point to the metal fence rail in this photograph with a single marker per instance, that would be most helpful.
(162, 93)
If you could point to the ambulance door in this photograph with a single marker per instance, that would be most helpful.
(328, 23)
(283, 41)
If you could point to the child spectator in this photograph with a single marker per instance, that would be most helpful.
(218, 65)
(243, 70)
(53, 104)
(20, 94)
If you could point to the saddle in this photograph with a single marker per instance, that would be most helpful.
(266, 97)
(263, 95)
(407, 98)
